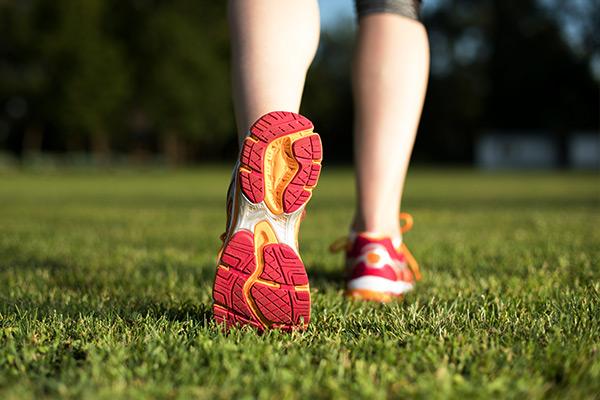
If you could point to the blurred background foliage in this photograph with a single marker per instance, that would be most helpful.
(148, 80)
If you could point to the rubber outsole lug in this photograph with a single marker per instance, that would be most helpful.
(276, 296)
(306, 151)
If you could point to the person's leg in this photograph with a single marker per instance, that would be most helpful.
(273, 44)
(260, 279)
(390, 74)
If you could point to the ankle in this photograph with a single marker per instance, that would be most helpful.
(389, 228)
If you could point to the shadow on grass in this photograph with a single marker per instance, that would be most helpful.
(72, 291)
(12, 257)
(130, 310)
(321, 278)
(173, 312)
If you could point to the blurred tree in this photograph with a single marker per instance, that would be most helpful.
(183, 75)
(536, 79)
(102, 71)
(328, 94)
(92, 78)
(23, 80)
(501, 64)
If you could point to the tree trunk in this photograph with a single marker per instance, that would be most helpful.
(100, 145)
(173, 148)
(74, 144)
(33, 138)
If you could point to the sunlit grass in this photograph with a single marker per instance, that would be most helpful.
(105, 285)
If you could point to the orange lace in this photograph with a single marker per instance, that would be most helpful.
(406, 224)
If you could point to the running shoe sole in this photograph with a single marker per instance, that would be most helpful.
(261, 280)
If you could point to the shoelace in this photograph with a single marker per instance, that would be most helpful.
(406, 224)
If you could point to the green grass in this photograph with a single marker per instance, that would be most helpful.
(105, 283)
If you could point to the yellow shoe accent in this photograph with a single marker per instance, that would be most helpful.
(280, 167)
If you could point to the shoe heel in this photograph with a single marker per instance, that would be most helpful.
(260, 283)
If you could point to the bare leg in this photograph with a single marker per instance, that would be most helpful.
(389, 78)
(273, 44)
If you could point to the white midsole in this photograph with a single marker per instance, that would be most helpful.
(284, 225)
(250, 214)
(379, 284)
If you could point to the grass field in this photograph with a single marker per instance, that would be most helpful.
(105, 283)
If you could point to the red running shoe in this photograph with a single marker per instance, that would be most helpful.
(376, 269)
(261, 280)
